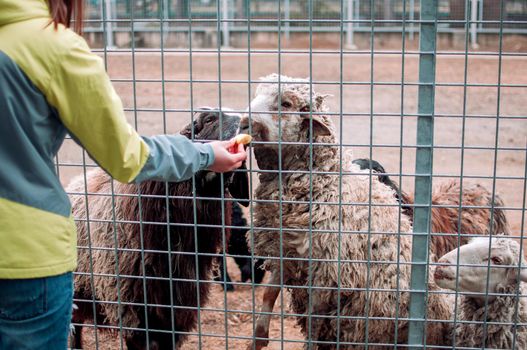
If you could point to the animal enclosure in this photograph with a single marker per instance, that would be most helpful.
(448, 125)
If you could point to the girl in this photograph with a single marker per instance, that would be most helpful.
(50, 85)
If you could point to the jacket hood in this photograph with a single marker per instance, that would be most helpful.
(12, 11)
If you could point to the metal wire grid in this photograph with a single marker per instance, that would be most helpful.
(325, 13)
(483, 16)
(423, 175)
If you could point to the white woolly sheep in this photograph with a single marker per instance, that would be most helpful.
(503, 309)
(314, 226)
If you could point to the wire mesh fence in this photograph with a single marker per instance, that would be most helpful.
(387, 16)
(333, 254)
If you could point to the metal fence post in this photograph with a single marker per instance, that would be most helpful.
(165, 14)
(411, 18)
(350, 44)
(109, 24)
(287, 17)
(480, 14)
(225, 23)
(423, 174)
(473, 23)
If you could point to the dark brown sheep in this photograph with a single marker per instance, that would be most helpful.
(238, 247)
(148, 239)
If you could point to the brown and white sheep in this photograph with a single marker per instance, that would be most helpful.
(135, 231)
(496, 321)
(317, 232)
(481, 212)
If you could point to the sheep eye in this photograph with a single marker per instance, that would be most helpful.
(286, 104)
(209, 121)
(496, 260)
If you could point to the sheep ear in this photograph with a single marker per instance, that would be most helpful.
(239, 186)
(319, 100)
(269, 77)
(320, 128)
(187, 131)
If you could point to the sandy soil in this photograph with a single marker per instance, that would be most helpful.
(372, 126)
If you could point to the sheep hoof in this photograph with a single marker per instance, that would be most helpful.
(228, 287)
(263, 334)
(258, 344)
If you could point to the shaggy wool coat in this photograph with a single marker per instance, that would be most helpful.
(367, 226)
(111, 244)
(494, 325)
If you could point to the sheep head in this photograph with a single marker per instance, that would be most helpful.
(288, 110)
(212, 125)
(504, 259)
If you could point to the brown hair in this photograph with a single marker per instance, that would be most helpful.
(62, 11)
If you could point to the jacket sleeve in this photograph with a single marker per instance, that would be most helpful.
(174, 158)
(90, 109)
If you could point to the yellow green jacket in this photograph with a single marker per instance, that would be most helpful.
(51, 85)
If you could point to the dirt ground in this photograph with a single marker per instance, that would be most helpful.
(372, 117)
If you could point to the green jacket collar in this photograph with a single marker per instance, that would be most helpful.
(12, 11)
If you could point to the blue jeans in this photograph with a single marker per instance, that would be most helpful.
(35, 313)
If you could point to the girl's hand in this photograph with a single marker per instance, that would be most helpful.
(228, 155)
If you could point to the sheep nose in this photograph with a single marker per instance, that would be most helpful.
(444, 261)
(444, 273)
(244, 125)
(438, 273)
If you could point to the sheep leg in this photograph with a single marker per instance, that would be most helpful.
(224, 278)
(80, 310)
(262, 323)
(259, 272)
(76, 340)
